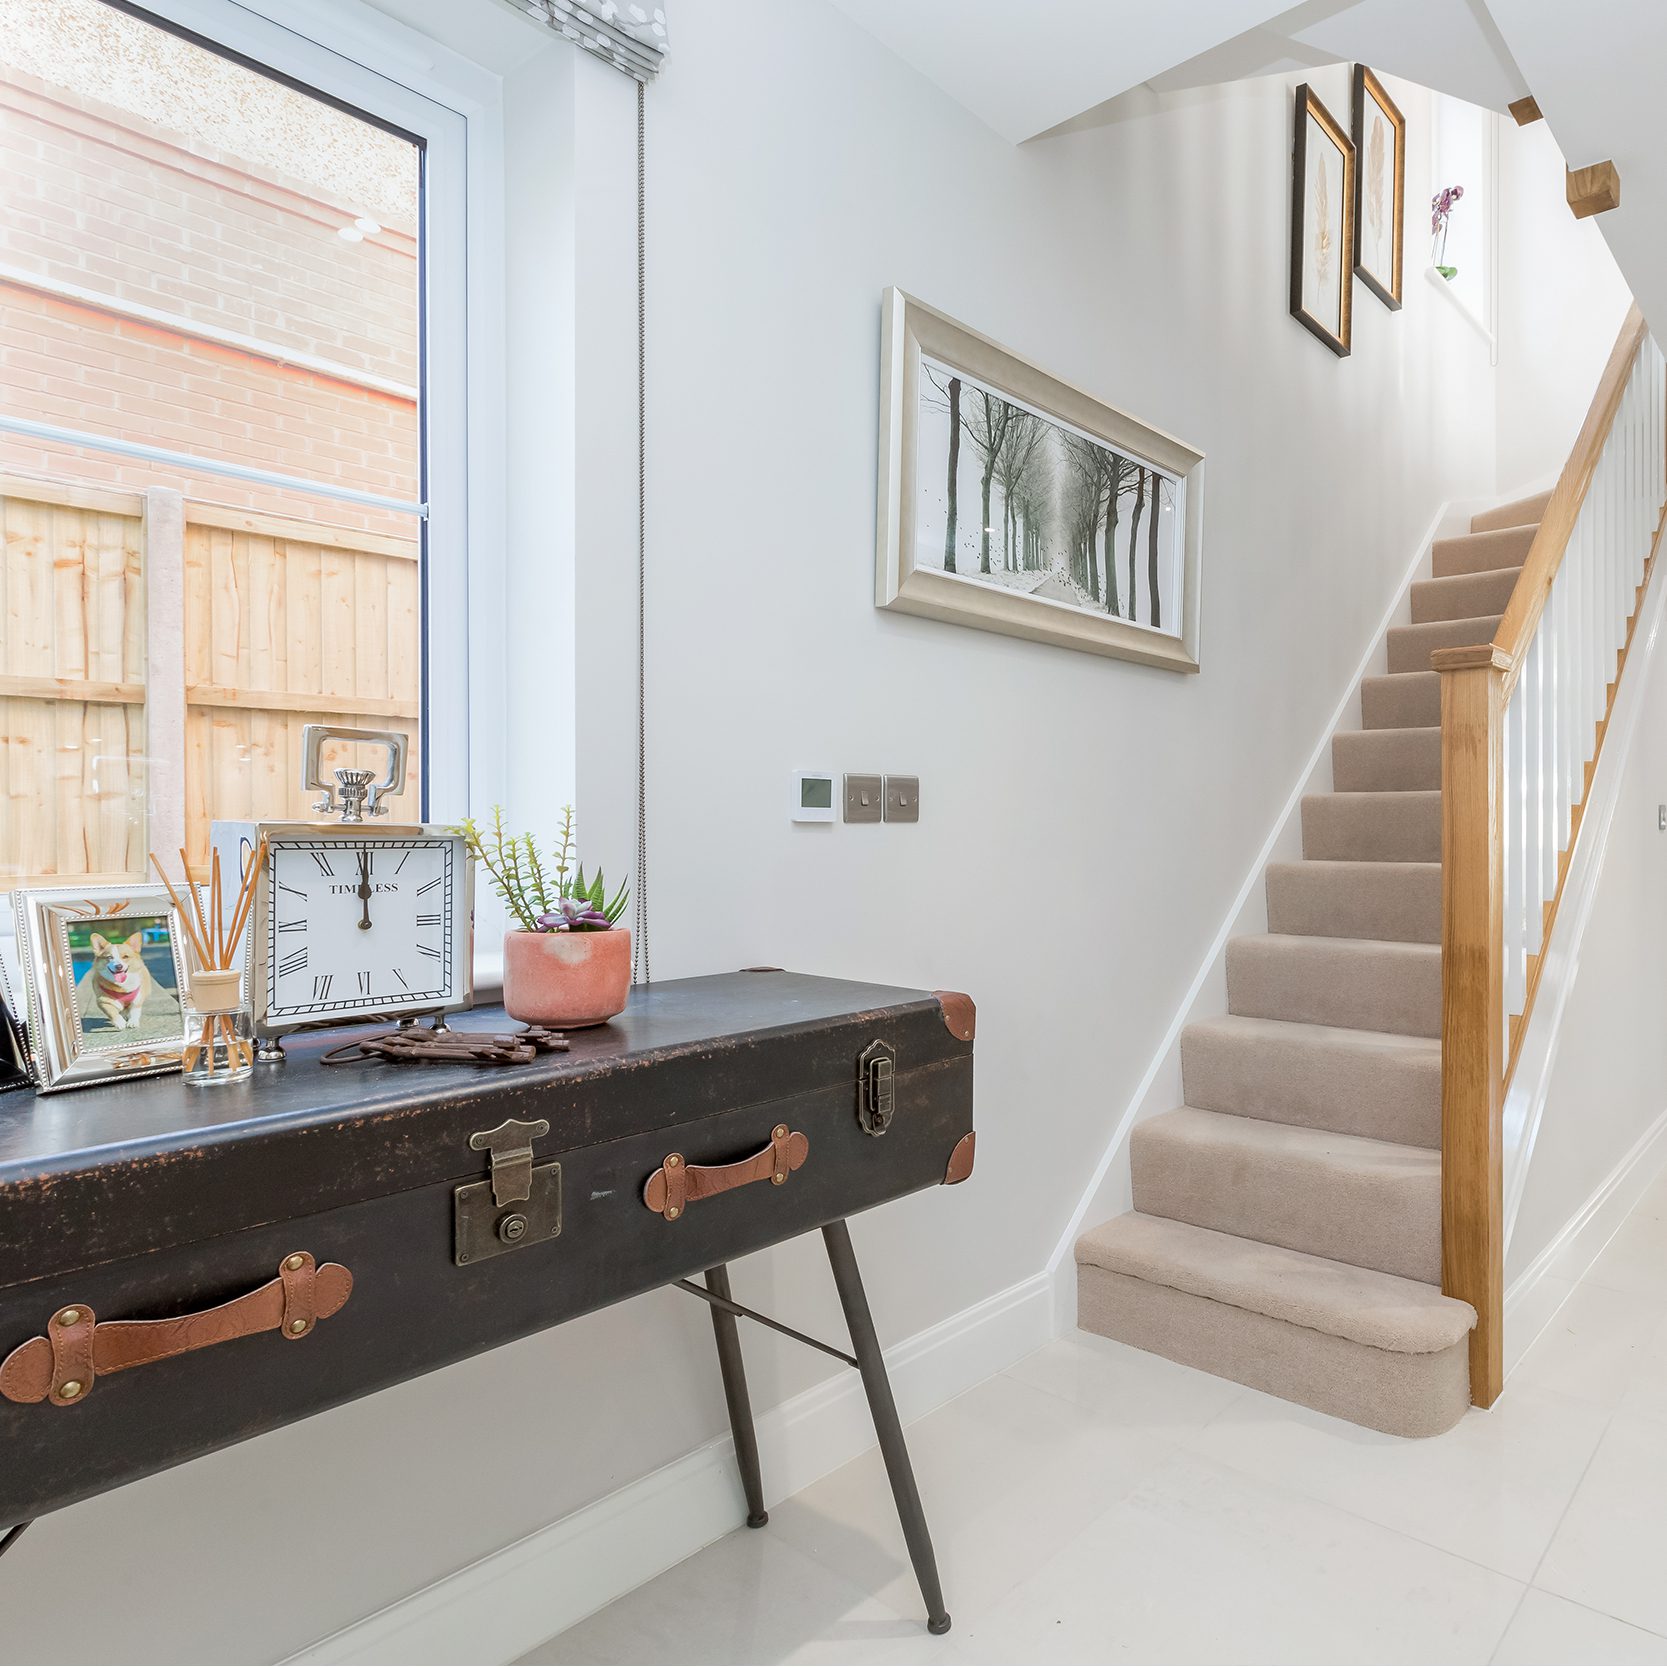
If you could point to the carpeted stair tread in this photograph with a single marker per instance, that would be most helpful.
(1371, 1203)
(1364, 1082)
(1372, 827)
(1398, 901)
(1410, 646)
(1361, 983)
(1405, 700)
(1463, 596)
(1480, 552)
(1380, 1310)
(1520, 512)
(1404, 760)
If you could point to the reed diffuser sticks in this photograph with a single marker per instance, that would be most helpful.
(214, 944)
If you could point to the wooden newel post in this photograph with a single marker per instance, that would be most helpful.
(1472, 998)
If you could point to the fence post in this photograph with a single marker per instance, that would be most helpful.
(1472, 999)
(164, 535)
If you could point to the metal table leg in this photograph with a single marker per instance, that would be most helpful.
(734, 1371)
(871, 1363)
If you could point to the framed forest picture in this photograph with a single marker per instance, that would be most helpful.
(1012, 501)
(1380, 144)
(1322, 223)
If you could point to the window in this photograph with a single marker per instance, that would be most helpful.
(221, 519)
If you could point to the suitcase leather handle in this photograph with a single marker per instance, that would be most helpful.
(676, 1184)
(78, 1349)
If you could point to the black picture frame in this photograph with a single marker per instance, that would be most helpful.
(1308, 108)
(1367, 87)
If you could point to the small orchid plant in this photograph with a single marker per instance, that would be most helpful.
(1441, 210)
(543, 896)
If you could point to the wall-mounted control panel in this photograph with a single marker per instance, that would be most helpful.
(813, 796)
(821, 796)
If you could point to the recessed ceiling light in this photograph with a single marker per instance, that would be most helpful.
(351, 233)
(367, 225)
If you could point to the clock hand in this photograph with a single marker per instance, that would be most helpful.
(364, 890)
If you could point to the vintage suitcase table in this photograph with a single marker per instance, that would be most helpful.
(183, 1268)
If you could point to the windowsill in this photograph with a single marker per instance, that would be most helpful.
(1454, 299)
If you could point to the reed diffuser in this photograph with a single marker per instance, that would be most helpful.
(223, 1050)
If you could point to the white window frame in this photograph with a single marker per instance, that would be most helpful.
(354, 53)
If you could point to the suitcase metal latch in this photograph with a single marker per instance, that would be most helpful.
(518, 1204)
(876, 1098)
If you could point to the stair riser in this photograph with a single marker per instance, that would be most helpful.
(1386, 760)
(1400, 1394)
(1400, 903)
(1397, 990)
(1388, 1219)
(1401, 702)
(1372, 827)
(1520, 512)
(1410, 646)
(1380, 1094)
(1466, 596)
(1480, 552)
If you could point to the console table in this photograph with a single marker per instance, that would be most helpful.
(185, 1268)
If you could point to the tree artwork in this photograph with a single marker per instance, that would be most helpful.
(1063, 517)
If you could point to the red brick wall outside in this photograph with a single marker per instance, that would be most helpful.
(91, 199)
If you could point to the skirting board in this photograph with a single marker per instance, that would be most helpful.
(500, 1607)
(1534, 1296)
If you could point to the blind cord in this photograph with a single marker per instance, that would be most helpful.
(640, 973)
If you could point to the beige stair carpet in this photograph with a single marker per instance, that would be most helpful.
(1286, 1230)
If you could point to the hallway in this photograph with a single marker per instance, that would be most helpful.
(1095, 1503)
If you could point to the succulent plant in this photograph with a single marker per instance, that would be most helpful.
(543, 898)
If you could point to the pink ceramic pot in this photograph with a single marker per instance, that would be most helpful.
(567, 980)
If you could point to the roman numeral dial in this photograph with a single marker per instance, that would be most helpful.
(360, 924)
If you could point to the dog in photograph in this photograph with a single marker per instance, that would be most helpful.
(117, 983)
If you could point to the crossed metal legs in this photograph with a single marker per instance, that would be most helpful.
(869, 1361)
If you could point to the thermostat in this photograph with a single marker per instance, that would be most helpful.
(813, 796)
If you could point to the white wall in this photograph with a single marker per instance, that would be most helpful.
(1561, 299)
(1609, 1077)
(1085, 822)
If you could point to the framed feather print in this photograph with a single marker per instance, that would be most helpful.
(1380, 143)
(1322, 223)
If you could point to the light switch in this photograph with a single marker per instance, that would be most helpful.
(863, 798)
(902, 798)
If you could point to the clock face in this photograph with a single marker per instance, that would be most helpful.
(360, 925)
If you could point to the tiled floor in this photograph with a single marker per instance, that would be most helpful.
(1099, 1504)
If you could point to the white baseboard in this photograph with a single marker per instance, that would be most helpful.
(1207, 992)
(1534, 1296)
(500, 1607)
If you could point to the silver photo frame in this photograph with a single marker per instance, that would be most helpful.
(105, 982)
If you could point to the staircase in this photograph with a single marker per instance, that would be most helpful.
(1286, 1230)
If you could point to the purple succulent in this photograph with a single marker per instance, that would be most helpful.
(573, 914)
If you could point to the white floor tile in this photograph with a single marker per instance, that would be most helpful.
(1008, 1475)
(1492, 1489)
(1608, 1552)
(1202, 1563)
(748, 1598)
(1552, 1631)
(1635, 1259)
(1141, 1391)
(1594, 1346)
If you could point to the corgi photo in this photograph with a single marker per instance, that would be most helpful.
(125, 977)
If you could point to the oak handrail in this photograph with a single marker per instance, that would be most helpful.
(1551, 542)
(1477, 681)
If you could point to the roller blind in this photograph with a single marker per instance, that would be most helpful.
(630, 36)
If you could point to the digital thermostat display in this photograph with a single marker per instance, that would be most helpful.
(813, 796)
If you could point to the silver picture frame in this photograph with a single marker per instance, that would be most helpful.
(1045, 602)
(81, 1030)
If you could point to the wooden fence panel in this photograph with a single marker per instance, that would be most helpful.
(288, 623)
(72, 635)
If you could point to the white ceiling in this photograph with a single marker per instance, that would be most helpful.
(1024, 66)
(1027, 68)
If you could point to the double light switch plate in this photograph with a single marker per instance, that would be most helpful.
(882, 798)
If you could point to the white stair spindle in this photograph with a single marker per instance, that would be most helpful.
(1533, 790)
